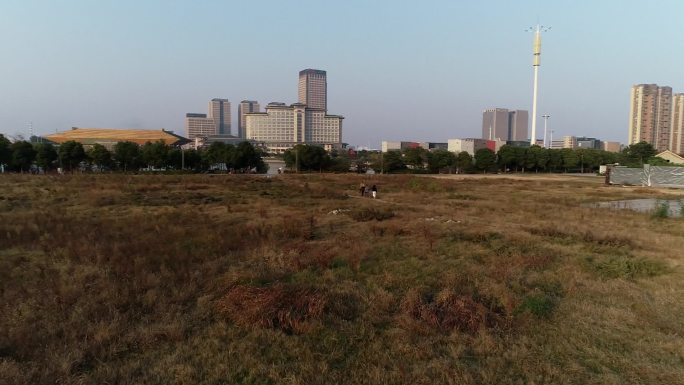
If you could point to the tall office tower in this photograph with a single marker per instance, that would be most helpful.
(219, 110)
(198, 125)
(245, 107)
(677, 137)
(650, 115)
(313, 89)
(517, 127)
(495, 124)
(502, 124)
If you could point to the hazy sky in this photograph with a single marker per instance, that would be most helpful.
(397, 70)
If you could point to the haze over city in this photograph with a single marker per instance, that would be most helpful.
(396, 70)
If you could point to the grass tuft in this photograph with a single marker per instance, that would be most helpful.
(625, 267)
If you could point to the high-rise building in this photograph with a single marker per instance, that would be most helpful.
(313, 89)
(198, 125)
(517, 126)
(650, 115)
(245, 107)
(677, 137)
(502, 124)
(282, 127)
(219, 111)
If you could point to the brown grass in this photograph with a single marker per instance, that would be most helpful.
(293, 279)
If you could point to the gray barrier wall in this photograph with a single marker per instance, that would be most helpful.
(651, 176)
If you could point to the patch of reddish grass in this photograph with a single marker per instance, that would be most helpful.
(289, 308)
(447, 311)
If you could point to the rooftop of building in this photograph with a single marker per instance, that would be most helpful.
(312, 71)
(195, 115)
(97, 135)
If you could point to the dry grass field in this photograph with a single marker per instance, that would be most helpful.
(296, 280)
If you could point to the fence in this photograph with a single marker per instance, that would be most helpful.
(651, 176)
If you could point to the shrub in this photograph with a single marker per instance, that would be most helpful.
(539, 304)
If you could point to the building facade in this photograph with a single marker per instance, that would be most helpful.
(651, 115)
(282, 127)
(313, 89)
(677, 136)
(471, 145)
(245, 107)
(502, 124)
(199, 125)
(612, 146)
(219, 111)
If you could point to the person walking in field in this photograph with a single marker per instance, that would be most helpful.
(374, 191)
(362, 189)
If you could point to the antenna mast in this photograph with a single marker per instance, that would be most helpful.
(536, 61)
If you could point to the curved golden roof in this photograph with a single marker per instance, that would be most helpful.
(111, 135)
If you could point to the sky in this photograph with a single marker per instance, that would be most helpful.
(397, 70)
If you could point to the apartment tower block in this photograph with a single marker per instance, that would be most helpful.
(651, 115)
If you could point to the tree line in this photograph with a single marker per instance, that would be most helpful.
(507, 159)
(23, 156)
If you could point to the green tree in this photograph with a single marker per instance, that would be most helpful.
(5, 150)
(569, 159)
(71, 154)
(416, 157)
(155, 154)
(46, 155)
(507, 158)
(23, 156)
(464, 162)
(127, 156)
(531, 157)
(247, 158)
(638, 153)
(100, 156)
(392, 161)
(485, 159)
(555, 160)
(306, 157)
(441, 160)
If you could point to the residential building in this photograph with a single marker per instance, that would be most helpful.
(651, 115)
(199, 125)
(677, 135)
(313, 89)
(671, 157)
(502, 124)
(557, 144)
(245, 107)
(109, 137)
(219, 111)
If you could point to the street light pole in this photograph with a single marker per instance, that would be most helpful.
(546, 118)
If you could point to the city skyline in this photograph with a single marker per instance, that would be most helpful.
(131, 69)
